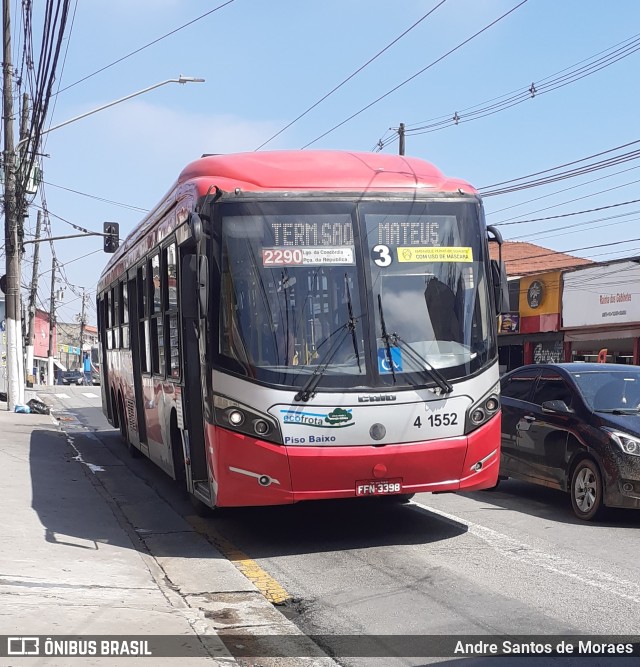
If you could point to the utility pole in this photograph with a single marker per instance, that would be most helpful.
(15, 388)
(401, 139)
(32, 295)
(82, 324)
(52, 323)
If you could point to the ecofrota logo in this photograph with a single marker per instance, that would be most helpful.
(337, 418)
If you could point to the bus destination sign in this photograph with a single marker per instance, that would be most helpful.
(305, 256)
(301, 234)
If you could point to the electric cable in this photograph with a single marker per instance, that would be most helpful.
(424, 69)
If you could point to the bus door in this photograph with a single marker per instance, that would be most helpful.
(136, 316)
(104, 366)
(192, 393)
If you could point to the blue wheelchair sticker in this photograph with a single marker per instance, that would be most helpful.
(383, 360)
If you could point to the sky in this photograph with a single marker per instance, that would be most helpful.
(267, 62)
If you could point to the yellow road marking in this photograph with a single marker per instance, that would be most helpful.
(263, 581)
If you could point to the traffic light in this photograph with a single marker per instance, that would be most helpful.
(111, 236)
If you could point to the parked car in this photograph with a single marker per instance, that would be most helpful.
(95, 379)
(72, 377)
(574, 427)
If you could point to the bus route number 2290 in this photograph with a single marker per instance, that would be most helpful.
(281, 256)
(378, 487)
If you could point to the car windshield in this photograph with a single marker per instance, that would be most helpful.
(302, 284)
(609, 390)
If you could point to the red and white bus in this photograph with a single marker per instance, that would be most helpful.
(299, 325)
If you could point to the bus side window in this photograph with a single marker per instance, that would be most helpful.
(143, 322)
(124, 316)
(157, 317)
(115, 317)
(171, 301)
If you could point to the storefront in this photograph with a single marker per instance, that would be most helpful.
(532, 334)
(601, 313)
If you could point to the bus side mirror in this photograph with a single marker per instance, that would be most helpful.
(194, 223)
(203, 285)
(500, 286)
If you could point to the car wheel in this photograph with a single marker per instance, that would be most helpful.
(586, 490)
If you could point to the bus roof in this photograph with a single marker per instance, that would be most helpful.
(282, 171)
(319, 170)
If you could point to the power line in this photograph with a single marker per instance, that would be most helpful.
(568, 201)
(146, 46)
(567, 215)
(560, 166)
(424, 69)
(324, 97)
(557, 192)
(102, 199)
(540, 234)
(552, 82)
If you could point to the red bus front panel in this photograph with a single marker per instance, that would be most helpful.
(253, 472)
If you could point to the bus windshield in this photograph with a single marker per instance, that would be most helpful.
(302, 286)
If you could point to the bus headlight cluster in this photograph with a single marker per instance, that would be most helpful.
(483, 410)
(238, 417)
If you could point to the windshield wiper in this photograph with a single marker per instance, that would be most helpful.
(385, 338)
(348, 327)
(413, 354)
(620, 411)
(309, 388)
(351, 323)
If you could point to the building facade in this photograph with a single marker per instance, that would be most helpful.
(601, 312)
(589, 313)
(70, 348)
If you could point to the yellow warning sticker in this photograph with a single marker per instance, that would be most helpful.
(431, 254)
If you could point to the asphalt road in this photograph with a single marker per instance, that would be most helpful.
(510, 562)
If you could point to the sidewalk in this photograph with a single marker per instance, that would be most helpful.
(79, 556)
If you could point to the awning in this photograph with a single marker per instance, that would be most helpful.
(57, 364)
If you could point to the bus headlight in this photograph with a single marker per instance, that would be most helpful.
(261, 427)
(483, 410)
(237, 417)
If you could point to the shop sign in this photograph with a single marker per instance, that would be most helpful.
(597, 296)
(550, 352)
(535, 294)
(509, 323)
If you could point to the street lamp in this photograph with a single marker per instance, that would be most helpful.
(180, 79)
(14, 351)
